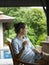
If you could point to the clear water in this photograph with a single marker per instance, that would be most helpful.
(7, 54)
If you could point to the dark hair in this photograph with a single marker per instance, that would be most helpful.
(18, 26)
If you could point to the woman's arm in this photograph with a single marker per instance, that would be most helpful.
(20, 54)
(38, 52)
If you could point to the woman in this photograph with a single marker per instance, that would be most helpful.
(23, 48)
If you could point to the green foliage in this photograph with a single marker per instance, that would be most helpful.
(38, 21)
(11, 33)
(33, 17)
(32, 36)
(41, 38)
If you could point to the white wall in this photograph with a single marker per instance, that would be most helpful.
(1, 35)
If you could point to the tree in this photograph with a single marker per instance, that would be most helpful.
(33, 17)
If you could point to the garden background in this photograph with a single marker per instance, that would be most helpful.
(35, 19)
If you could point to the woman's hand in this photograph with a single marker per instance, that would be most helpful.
(38, 52)
(24, 44)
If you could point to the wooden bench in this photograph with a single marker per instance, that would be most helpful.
(19, 62)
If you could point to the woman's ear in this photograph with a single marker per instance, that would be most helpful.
(21, 30)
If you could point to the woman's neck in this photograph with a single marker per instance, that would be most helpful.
(20, 36)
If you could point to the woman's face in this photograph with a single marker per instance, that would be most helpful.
(24, 31)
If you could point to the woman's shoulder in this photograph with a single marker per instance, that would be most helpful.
(15, 39)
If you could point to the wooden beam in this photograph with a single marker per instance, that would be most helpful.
(21, 3)
(47, 11)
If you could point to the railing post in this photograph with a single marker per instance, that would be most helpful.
(47, 11)
(2, 54)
